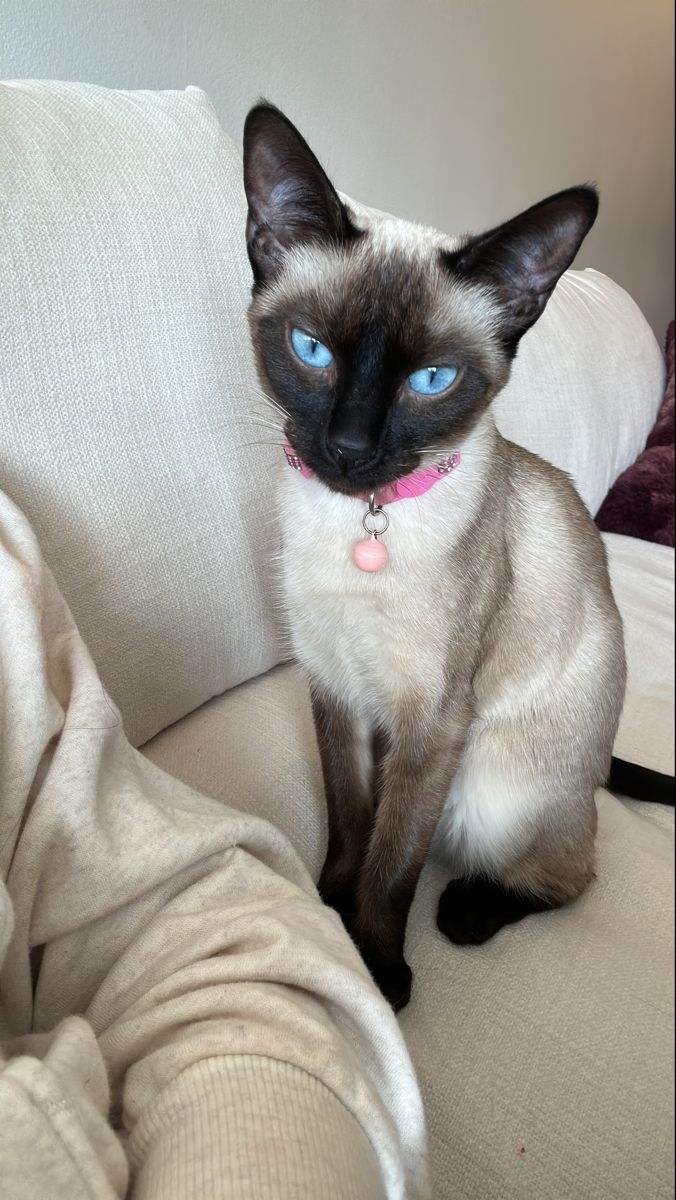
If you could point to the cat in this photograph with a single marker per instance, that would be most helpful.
(469, 689)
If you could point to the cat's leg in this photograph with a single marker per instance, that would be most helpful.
(345, 748)
(415, 775)
(554, 869)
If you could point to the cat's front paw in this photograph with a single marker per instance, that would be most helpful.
(394, 979)
(341, 897)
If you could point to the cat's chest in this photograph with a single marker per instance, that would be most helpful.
(372, 639)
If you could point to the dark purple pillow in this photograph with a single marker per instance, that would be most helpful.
(641, 502)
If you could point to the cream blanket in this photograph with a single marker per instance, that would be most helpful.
(183, 1018)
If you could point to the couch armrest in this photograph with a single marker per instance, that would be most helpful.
(642, 575)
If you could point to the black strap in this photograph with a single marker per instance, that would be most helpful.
(640, 783)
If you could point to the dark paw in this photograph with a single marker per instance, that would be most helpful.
(463, 917)
(472, 910)
(342, 898)
(394, 980)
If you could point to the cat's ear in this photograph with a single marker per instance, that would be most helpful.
(523, 259)
(291, 199)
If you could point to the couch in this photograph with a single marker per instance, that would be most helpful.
(134, 436)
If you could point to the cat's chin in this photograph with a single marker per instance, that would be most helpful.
(344, 487)
(360, 486)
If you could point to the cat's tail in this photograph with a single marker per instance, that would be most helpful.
(640, 783)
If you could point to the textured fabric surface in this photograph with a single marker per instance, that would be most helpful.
(545, 1057)
(300, 1140)
(246, 1050)
(258, 741)
(641, 502)
(125, 377)
(642, 576)
(55, 1140)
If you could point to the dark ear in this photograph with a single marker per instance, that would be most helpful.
(291, 200)
(523, 259)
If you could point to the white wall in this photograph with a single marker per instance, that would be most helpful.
(453, 112)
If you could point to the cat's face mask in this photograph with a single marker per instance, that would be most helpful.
(382, 342)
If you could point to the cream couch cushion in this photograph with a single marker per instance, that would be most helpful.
(124, 375)
(546, 1057)
(258, 743)
(642, 576)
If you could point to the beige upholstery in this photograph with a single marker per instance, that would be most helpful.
(125, 378)
(545, 1057)
(642, 575)
(260, 739)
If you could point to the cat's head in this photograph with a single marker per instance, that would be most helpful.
(383, 342)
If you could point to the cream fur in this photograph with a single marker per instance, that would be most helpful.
(362, 659)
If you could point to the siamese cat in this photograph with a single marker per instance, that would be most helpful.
(466, 666)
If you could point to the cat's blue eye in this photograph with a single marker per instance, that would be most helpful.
(430, 381)
(310, 350)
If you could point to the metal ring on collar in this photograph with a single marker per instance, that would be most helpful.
(373, 518)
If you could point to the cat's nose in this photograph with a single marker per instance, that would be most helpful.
(349, 450)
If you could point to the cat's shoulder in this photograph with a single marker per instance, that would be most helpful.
(533, 477)
(545, 509)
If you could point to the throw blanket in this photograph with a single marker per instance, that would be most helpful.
(641, 502)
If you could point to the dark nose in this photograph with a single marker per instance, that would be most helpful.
(349, 450)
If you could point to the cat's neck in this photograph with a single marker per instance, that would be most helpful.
(314, 516)
(470, 458)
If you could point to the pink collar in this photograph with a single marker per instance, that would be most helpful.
(402, 489)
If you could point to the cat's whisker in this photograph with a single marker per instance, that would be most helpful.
(266, 426)
(248, 445)
(244, 418)
(268, 410)
(250, 418)
(274, 404)
(266, 405)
